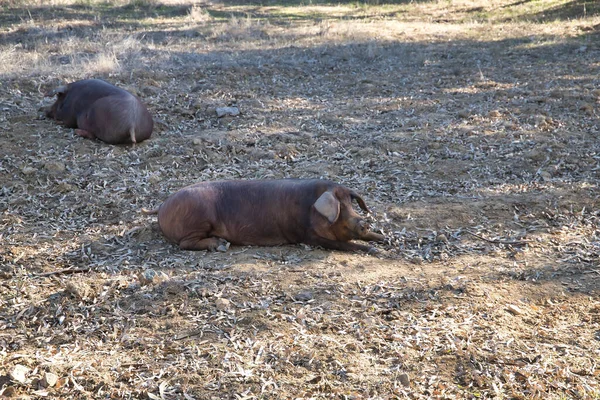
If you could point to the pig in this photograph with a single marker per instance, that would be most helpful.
(100, 110)
(316, 212)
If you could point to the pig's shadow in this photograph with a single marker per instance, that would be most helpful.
(143, 247)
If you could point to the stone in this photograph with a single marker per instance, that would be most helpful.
(49, 379)
(28, 170)
(514, 310)
(222, 304)
(150, 276)
(154, 179)
(19, 373)
(150, 90)
(9, 391)
(223, 111)
(304, 296)
(587, 108)
(464, 114)
(404, 380)
(545, 175)
(55, 166)
(79, 290)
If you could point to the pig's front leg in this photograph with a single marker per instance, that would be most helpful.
(337, 245)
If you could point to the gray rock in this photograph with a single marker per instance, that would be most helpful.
(223, 111)
(403, 378)
(305, 295)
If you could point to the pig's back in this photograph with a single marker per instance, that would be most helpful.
(253, 212)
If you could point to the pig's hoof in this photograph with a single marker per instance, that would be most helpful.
(223, 246)
(85, 134)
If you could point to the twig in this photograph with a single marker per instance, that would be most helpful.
(65, 271)
(497, 241)
(188, 334)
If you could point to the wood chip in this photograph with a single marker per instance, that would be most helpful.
(514, 310)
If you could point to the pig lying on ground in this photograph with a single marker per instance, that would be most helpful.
(264, 212)
(101, 110)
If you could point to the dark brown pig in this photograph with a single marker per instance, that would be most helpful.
(100, 110)
(265, 213)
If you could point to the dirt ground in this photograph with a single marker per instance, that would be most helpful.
(471, 128)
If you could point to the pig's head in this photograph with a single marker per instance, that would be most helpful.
(60, 93)
(340, 221)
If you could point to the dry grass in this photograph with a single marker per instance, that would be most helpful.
(469, 127)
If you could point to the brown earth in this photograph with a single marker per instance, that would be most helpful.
(471, 129)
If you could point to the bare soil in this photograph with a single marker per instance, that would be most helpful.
(471, 128)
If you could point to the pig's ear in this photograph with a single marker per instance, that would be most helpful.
(57, 91)
(328, 206)
(359, 200)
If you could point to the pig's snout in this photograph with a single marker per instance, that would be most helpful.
(373, 237)
(362, 229)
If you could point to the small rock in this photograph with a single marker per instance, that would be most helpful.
(79, 290)
(223, 111)
(514, 310)
(9, 391)
(64, 187)
(464, 114)
(545, 175)
(19, 373)
(28, 170)
(539, 120)
(49, 379)
(150, 90)
(301, 314)
(153, 179)
(55, 166)
(538, 99)
(587, 108)
(442, 238)
(223, 304)
(201, 85)
(304, 296)
(259, 154)
(403, 378)
(536, 155)
(150, 276)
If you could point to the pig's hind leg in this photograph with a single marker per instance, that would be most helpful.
(203, 243)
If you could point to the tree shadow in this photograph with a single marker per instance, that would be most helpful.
(300, 3)
(573, 9)
(101, 12)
